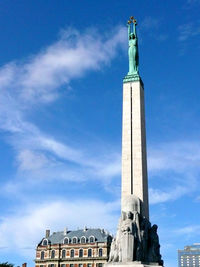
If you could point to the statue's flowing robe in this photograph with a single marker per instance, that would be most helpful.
(133, 56)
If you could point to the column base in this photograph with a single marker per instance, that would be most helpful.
(132, 264)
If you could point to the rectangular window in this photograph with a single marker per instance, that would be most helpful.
(89, 265)
(71, 265)
(80, 265)
(100, 264)
(62, 265)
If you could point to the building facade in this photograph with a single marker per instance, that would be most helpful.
(189, 256)
(80, 248)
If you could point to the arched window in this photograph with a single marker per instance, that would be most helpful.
(45, 242)
(89, 252)
(80, 253)
(100, 252)
(63, 253)
(83, 240)
(72, 253)
(66, 240)
(52, 254)
(91, 239)
(42, 255)
(74, 240)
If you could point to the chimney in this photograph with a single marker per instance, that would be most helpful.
(47, 235)
(65, 231)
(24, 264)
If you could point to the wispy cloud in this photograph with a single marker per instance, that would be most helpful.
(178, 156)
(149, 23)
(188, 230)
(171, 194)
(25, 228)
(150, 26)
(177, 164)
(192, 2)
(187, 31)
(39, 77)
(29, 160)
(37, 80)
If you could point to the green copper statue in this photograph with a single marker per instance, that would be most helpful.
(133, 74)
(133, 47)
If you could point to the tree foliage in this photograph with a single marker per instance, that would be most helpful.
(6, 264)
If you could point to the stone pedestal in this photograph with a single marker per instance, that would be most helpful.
(131, 264)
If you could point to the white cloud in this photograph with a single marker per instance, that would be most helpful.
(26, 227)
(29, 160)
(187, 31)
(149, 23)
(51, 158)
(37, 80)
(150, 27)
(188, 230)
(40, 76)
(178, 165)
(178, 156)
(111, 166)
(191, 2)
(159, 196)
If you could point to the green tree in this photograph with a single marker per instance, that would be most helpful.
(6, 264)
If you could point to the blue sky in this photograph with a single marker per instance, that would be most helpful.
(62, 65)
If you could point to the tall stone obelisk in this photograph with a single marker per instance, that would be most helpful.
(134, 160)
(137, 241)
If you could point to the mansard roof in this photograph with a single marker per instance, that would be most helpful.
(100, 235)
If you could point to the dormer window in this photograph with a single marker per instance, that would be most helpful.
(66, 240)
(83, 240)
(74, 240)
(91, 239)
(45, 242)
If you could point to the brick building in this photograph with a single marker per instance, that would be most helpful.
(80, 248)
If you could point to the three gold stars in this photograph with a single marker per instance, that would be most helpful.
(132, 20)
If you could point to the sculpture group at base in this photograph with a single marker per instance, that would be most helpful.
(136, 239)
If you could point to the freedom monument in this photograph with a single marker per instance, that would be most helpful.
(137, 242)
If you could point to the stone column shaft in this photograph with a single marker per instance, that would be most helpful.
(134, 161)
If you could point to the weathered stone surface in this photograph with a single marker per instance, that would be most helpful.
(130, 264)
(134, 162)
(136, 239)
